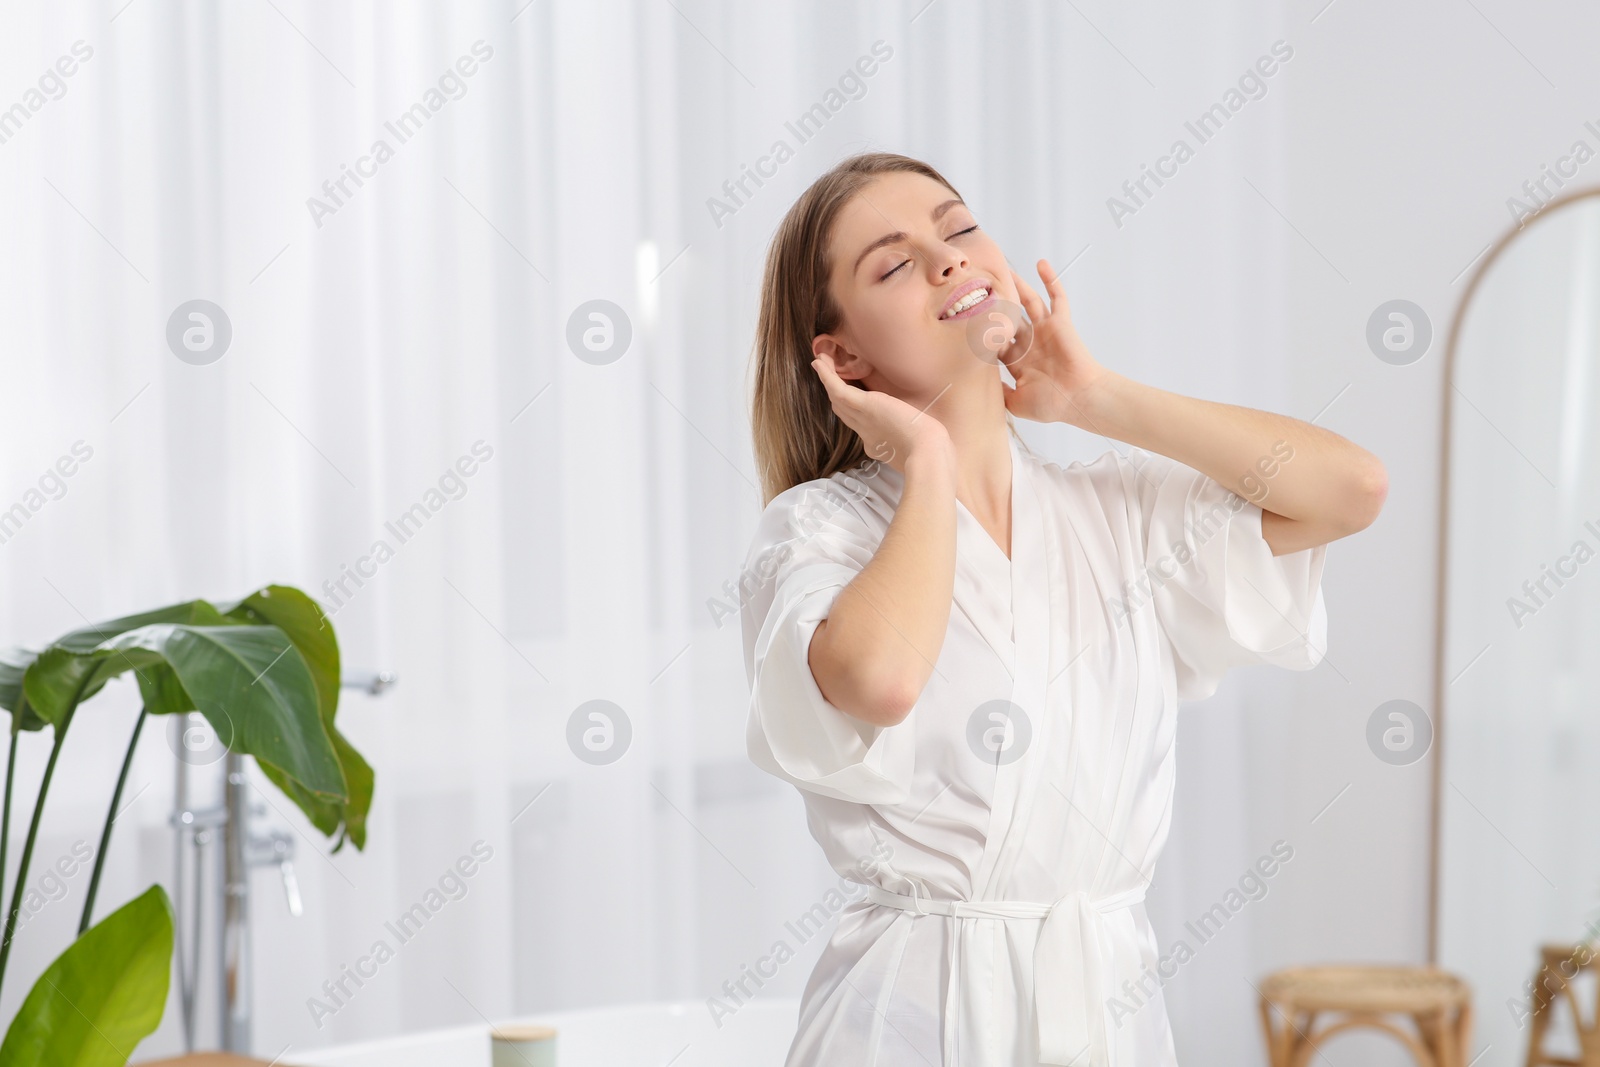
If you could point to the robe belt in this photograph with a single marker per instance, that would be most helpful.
(1069, 966)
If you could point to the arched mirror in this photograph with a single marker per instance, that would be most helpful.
(1516, 862)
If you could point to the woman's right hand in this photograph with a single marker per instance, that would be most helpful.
(873, 654)
(889, 428)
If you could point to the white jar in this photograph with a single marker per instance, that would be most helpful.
(523, 1046)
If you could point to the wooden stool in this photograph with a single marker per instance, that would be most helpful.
(1559, 965)
(1439, 1004)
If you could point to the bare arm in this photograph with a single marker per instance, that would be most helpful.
(1319, 485)
(1312, 485)
(874, 653)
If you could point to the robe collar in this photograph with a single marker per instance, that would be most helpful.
(998, 618)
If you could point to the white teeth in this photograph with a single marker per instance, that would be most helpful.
(976, 296)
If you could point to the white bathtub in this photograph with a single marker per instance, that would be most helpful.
(681, 1033)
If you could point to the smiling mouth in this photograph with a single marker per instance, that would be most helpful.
(969, 304)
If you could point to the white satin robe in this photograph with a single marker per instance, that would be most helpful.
(1134, 582)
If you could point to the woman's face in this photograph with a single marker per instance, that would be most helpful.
(900, 250)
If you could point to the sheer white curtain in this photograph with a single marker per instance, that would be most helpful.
(383, 328)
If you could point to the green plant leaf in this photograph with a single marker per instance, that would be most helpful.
(327, 815)
(102, 996)
(162, 693)
(254, 687)
(250, 682)
(188, 613)
(303, 620)
(51, 688)
(318, 769)
(14, 663)
(361, 779)
(56, 678)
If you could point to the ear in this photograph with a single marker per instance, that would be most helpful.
(846, 364)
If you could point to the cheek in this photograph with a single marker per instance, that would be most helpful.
(895, 330)
(906, 344)
(1005, 286)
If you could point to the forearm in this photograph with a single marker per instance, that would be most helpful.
(1284, 465)
(874, 653)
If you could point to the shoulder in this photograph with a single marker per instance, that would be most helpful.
(1108, 478)
(1128, 493)
(858, 502)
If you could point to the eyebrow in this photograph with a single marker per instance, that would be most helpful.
(900, 235)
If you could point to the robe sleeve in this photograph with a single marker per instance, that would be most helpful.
(811, 541)
(1221, 597)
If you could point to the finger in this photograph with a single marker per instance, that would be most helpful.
(825, 371)
(1014, 400)
(1016, 353)
(1053, 285)
(1030, 299)
(1015, 361)
(839, 393)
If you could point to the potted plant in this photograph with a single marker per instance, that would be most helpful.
(264, 671)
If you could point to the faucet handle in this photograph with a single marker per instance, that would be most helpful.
(291, 887)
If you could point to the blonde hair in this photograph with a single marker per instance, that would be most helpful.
(797, 436)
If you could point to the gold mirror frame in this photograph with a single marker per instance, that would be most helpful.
(1442, 573)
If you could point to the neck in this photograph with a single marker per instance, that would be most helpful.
(973, 411)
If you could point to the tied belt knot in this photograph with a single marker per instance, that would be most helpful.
(1069, 966)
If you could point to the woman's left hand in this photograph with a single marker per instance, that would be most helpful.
(1054, 369)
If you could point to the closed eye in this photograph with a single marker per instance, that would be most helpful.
(958, 233)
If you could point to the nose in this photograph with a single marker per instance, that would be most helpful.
(948, 259)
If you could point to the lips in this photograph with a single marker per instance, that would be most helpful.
(961, 291)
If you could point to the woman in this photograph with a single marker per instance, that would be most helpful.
(969, 659)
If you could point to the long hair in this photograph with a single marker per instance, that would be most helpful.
(797, 436)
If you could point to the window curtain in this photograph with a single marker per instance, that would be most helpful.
(426, 228)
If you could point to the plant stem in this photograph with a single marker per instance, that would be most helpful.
(33, 827)
(111, 815)
(11, 774)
